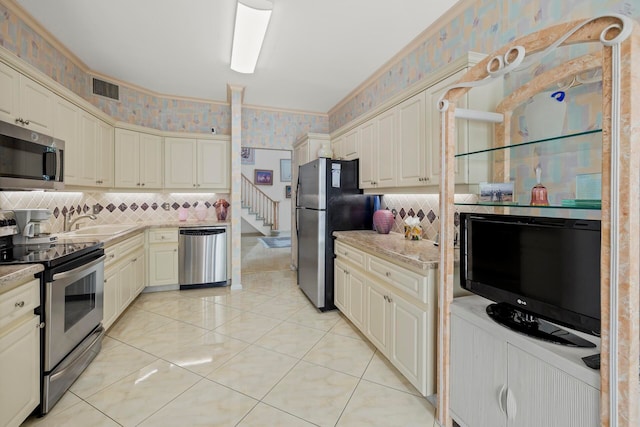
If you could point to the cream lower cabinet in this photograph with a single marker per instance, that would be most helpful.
(124, 276)
(502, 379)
(163, 256)
(393, 307)
(19, 353)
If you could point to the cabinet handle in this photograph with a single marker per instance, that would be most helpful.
(388, 274)
(20, 304)
(502, 398)
(112, 256)
(138, 184)
(389, 299)
(386, 298)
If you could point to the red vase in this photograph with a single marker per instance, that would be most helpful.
(383, 221)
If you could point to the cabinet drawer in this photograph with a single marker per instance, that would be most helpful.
(19, 301)
(350, 253)
(110, 255)
(411, 283)
(163, 235)
(129, 245)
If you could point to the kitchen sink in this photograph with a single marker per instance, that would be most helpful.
(101, 230)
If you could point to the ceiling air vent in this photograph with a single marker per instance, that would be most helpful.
(106, 89)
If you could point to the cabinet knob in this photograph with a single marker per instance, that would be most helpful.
(198, 185)
(162, 237)
(389, 299)
(112, 256)
(388, 274)
(194, 185)
(20, 304)
(138, 184)
(143, 184)
(40, 325)
(175, 250)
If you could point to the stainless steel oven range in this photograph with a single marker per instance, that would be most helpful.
(71, 308)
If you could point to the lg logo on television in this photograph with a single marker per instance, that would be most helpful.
(521, 302)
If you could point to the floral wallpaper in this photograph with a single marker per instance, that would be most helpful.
(483, 26)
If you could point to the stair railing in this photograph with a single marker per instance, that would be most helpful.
(259, 203)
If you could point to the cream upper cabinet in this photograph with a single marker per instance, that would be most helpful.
(36, 106)
(67, 116)
(338, 148)
(9, 93)
(351, 143)
(197, 164)
(104, 154)
(150, 161)
(378, 137)
(25, 102)
(213, 161)
(471, 135)
(138, 160)
(412, 167)
(88, 142)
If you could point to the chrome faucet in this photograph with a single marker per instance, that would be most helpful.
(68, 224)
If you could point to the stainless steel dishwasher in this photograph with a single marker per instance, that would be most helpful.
(202, 257)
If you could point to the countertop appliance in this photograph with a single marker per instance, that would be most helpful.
(71, 305)
(30, 160)
(328, 200)
(33, 226)
(202, 257)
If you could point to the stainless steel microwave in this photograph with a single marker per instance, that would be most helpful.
(30, 160)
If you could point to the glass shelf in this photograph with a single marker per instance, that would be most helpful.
(570, 168)
(537, 142)
(516, 205)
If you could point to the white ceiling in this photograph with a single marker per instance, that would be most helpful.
(315, 52)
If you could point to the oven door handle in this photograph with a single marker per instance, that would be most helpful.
(97, 335)
(77, 270)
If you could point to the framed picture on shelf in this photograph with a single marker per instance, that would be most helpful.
(247, 156)
(287, 191)
(496, 192)
(285, 170)
(263, 177)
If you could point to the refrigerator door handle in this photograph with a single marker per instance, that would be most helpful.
(297, 229)
(298, 192)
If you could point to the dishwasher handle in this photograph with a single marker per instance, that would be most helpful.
(202, 232)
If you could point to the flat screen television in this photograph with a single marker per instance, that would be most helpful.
(535, 269)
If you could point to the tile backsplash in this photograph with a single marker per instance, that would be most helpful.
(114, 208)
(424, 206)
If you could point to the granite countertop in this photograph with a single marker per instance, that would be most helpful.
(12, 275)
(417, 254)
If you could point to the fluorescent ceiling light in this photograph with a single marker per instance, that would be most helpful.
(252, 19)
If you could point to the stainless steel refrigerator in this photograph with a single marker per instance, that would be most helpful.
(328, 200)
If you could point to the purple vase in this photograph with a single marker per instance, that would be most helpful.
(383, 221)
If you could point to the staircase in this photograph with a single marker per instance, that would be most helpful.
(258, 209)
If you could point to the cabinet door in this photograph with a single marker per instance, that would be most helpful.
(412, 168)
(163, 264)
(9, 93)
(478, 375)
(377, 316)
(88, 136)
(340, 293)
(542, 395)
(111, 299)
(36, 106)
(351, 143)
(150, 161)
(337, 146)
(67, 128)
(140, 272)
(368, 154)
(180, 166)
(127, 283)
(213, 162)
(356, 297)
(408, 340)
(127, 159)
(386, 149)
(20, 372)
(104, 155)
(301, 154)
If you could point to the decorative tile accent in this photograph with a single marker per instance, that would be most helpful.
(431, 216)
(411, 212)
(154, 206)
(402, 213)
(122, 207)
(186, 205)
(111, 207)
(133, 207)
(144, 207)
(56, 212)
(175, 206)
(420, 214)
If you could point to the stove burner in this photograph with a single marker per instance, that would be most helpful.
(49, 254)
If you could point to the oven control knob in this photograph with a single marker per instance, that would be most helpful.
(3, 223)
(11, 221)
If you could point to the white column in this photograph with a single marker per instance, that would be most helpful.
(235, 98)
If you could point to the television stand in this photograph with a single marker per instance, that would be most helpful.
(532, 326)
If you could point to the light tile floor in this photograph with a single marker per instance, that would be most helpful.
(262, 356)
